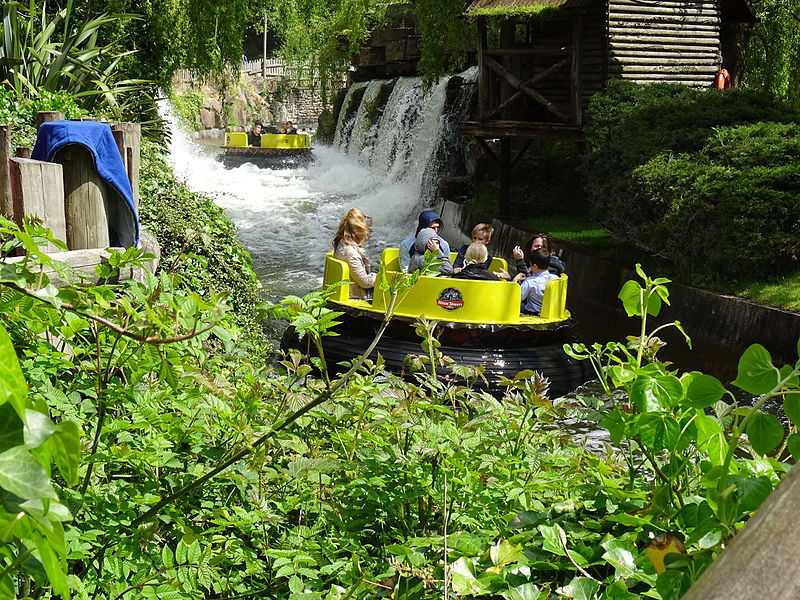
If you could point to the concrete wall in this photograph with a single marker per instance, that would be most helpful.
(712, 317)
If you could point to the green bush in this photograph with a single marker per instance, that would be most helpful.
(186, 222)
(703, 178)
(735, 200)
(20, 113)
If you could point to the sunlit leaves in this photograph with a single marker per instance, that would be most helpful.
(756, 375)
(764, 431)
(652, 394)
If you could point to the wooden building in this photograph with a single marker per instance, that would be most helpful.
(540, 61)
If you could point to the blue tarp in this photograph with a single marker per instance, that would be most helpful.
(98, 139)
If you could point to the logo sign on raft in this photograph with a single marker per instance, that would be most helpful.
(450, 299)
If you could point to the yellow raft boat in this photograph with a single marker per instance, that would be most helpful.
(479, 323)
(277, 150)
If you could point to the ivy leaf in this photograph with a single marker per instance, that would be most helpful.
(654, 394)
(765, 432)
(752, 491)
(791, 407)
(756, 375)
(704, 390)
(23, 475)
(11, 428)
(504, 552)
(526, 591)
(38, 428)
(580, 588)
(619, 554)
(672, 584)
(14, 388)
(659, 431)
(554, 539)
(793, 443)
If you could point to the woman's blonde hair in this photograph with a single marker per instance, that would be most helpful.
(353, 230)
(476, 254)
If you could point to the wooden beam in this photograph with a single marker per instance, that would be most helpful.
(84, 199)
(517, 84)
(521, 153)
(128, 137)
(576, 114)
(489, 152)
(6, 204)
(523, 130)
(483, 72)
(505, 177)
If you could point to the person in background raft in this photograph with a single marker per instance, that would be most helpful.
(427, 218)
(348, 245)
(537, 242)
(289, 127)
(254, 135)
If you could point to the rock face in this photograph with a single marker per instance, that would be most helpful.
(271, 100)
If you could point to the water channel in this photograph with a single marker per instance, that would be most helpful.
(287, 217)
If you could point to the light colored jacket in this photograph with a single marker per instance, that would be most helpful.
(363, 280)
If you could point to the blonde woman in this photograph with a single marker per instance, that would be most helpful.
(475, 258)
(348, 245)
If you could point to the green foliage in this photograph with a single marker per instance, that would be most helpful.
(20, 113)
(189, 223)
(446, 37)
(187, 107)
(324, 33)
(665, 161)
(773, 50)
(40, 53)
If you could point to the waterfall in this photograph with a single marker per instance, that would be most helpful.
(413, 139)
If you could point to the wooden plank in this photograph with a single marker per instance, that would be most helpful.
(6, 203)
(663, 70)
(676, 20)
(628, 61)
(129, 138)
(668, 53)
(642, 30)
(650, 39)
(697, 9)
(84, 199)
(37, 189)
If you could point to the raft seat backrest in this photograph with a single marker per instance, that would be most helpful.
(236, 139)
(554, 303)
(337, 270)
(285, 140)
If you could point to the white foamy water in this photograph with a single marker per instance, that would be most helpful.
(287, 217)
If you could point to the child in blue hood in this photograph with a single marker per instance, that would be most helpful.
(427, 218)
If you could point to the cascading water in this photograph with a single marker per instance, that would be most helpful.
(287, 218)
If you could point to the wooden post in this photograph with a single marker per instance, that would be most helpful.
(505, 177)
(483, 73)
(84, 204)
(23, 152)
(761, 560)
(45, 116)
(575, 73)
(128, 137)
(37, 189)
(6, 205)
